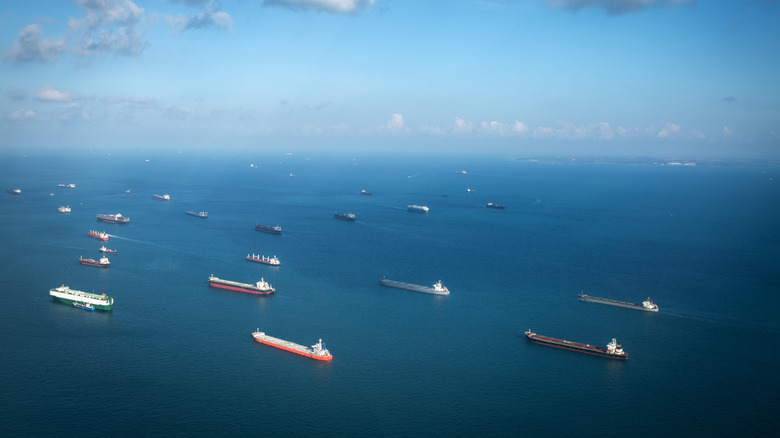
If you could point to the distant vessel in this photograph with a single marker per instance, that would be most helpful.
(84, 306)
(165, 197)
(113, 218)
(98, 235)
(200, 214)
(14, 191)
(613, 350)
(108, 251)
(437, 289)
(417, 208)
(70, 296)
(345, 216)
(67, 186)
(259, 288)
(363, 192)
(64, 209)
(647, 305)
(471, 191)
(273, 261)
(317, 351)
(102, 263)
(496, 206)
(266, 229)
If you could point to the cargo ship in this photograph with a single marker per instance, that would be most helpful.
(113, 218)
(259, 288)
(67, 186)
(647, 305)
(496, 206)
(266, 229)
(64, 209)
(99, 236)
(102, 263)
(317, 351)
(613, 350)
(107, 250)
(164, 198)
(70, 296)
(417, 208)
(200, 214)
(350, 217)
(437, 289)
(273, 261)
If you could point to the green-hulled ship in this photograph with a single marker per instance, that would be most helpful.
(70, 296)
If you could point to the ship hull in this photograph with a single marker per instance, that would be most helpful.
(246, 290)
(291, 347)
(573, 346)
(616, 303)
(344, 217)
(95, 264)
(202, 215)
(113, 221)
(412, 287)
(263, 262)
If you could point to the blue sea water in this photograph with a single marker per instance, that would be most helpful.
(176, 357)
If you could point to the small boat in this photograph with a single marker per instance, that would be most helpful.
(417, 208)
(107, 250)
(102, 263)
(273, 261)
(84, 306)
(350, 217)
(200, 214)
(14, 191)
(266, 229)
(363, 192)
(164, 198)
(64, 209)
(496, 206)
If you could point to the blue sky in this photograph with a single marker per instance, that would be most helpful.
(608, 77)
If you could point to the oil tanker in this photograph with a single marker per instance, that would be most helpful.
(273, 261)
(647, 305)
(102, 263)
(317, 351)
(437, 289)
(259, 288)
(613, 350)
(102, 235)
(71, 296)
(266, 229)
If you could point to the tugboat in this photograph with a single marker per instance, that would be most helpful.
(102, 263)
(84, 306)
(273, 261)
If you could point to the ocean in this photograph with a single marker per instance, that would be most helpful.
(176, 357)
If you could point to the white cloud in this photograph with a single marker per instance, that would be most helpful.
(462, 127)
(333, 6)
(50, 94)
(668, 130)
(727, 131)
(30, 46)
(106, 13)
(22, 114)
(209, 16)
(396, 122)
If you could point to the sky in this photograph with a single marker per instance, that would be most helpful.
(680, 78)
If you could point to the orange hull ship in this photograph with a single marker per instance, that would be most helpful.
(317, 351)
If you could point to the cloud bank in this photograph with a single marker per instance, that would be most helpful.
(616, 7)
(331, 6)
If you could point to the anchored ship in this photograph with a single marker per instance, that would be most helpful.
(107, 250)
(265, 228)
(64, 209)
(350, 217)
(71, 296)
(364, 192)
(613, 350)
(200, 214)
(102, 263)
(259, 288)
(98, 235)
(113, 218)
(14, 191)
(496, 206)
(437, 289)
(317, 351)
(273, 261)
(67, 186)
(417, 208)
(647, 305)
(166, 197)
